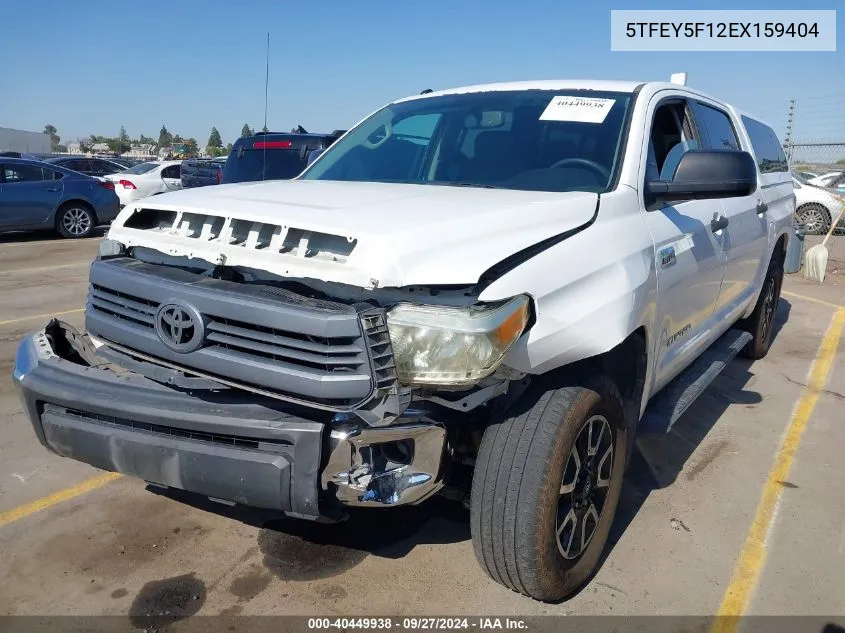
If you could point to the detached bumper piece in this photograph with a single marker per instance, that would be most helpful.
(225, 444)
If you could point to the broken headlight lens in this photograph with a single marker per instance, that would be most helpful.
(436, 345)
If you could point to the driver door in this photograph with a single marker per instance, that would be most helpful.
(690, 255)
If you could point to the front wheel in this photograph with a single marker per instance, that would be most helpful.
(75, 221)
(545, 489)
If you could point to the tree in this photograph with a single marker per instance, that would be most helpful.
(165, 138)
(214, 139)
(50, 130)
(245, 131)
(228, 149)
(146, 140)
(192, 147)
(124, 144)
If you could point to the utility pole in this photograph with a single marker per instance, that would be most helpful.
(790, 119)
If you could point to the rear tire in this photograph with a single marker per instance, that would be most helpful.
(815, 217)
(546, 485)
(761, 322)
(75, 220)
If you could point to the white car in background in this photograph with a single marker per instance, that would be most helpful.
(147, 179)
(825, 180)
(815, 207)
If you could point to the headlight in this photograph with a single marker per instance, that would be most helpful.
(435, 345)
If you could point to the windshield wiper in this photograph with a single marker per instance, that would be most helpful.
(450, 183)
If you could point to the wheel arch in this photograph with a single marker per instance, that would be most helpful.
(626, 364)
(78, 201)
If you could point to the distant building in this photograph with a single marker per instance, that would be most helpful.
(74, 148)
(12, 140)
(100, 148)
(144, 150)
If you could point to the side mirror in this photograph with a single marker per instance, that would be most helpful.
(313, 155)
(704, 174)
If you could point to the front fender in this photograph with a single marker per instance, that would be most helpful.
(590, 291)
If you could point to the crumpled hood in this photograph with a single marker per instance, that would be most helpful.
(366, 234)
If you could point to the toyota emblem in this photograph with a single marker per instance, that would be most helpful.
(180, 327)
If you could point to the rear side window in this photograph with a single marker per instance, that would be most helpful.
(715, 127)
(173, 171)
(767, 148)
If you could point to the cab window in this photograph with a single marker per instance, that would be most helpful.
(671, 136)
(715, 127)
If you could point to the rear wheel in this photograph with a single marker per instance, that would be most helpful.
(75, 220)
(761, 322)
(546, 486)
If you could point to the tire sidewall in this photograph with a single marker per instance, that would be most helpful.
(758, 347)
(60, 221)
(602, 399)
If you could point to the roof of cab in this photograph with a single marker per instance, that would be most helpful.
(544, 84)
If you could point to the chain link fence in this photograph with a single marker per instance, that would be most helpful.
(824, 156)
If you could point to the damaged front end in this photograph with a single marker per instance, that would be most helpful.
(274, 395)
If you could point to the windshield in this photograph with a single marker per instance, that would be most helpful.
(536, 140)
(143, 168)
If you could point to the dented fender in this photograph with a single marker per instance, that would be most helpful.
(590, 291)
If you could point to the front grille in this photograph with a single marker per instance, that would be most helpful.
(120, 305)
(314, 351)
(244, 339)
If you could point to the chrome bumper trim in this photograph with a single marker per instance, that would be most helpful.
(362, 478)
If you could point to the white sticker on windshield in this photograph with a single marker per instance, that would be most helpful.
(577, 109)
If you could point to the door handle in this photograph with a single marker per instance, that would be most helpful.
(54, 189)
(719, 223)
(762, 207)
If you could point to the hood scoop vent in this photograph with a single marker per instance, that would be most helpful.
(247, 234)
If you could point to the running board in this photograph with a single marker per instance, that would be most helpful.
(676, 397)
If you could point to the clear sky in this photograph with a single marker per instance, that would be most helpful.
(90, 66)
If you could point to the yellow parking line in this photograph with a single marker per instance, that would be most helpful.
(753, 555)
(41, 316)
(813, 299)
(9, 516)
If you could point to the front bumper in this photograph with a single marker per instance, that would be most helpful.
(223, 443)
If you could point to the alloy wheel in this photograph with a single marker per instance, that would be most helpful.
(584, 487)
(76, 221)
(769, 306)
(814, 219)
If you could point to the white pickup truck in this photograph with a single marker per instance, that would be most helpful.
(483, 292)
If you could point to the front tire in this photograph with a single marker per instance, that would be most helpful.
(545, 489)
(75, 220)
